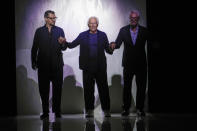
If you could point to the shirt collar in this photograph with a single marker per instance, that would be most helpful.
(47, 27)
(137, 28)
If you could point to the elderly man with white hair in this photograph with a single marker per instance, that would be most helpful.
(134, 37)
(92, 60)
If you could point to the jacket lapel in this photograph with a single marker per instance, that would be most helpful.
(129, 35)
(138, 35)
(87, 38)
(98, 38)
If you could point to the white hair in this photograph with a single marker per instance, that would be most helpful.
(93, 17)
(136, 12)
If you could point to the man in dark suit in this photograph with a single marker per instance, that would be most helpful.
(134, 61)
(92, 60)
(46, 55)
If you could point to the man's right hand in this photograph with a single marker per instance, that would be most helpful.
(112, 45)
(34, 66)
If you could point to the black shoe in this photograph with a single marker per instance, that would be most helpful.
(125, 113)
(44, 116)
(89, 113)
(141, 113)
(107, 113)
(58, 115)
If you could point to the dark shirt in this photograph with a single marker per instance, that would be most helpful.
(134, 56)
(93, 45)
(84, 55)
(134, 35)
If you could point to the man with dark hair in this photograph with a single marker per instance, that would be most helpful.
(46, 14)
(46, 55)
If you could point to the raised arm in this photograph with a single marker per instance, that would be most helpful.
(107, 47)
(74, 43)
(118, 42)
(119, 39)
(63, 45)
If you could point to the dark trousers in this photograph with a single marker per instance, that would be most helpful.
(141, 76)
(89, 79)
(44, 79)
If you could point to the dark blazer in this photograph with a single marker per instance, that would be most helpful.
(46, 51)
(134, 56)
(83, 41)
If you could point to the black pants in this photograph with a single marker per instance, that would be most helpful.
(141, 76)
(88, 83)
(44, 79)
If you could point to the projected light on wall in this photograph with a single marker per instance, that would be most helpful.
(72, 17)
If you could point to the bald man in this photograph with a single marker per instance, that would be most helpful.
(92, 60)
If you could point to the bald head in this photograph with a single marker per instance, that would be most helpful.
(93, 24)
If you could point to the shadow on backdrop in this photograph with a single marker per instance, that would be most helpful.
(28, 98)
(116, 98)
(72, 95)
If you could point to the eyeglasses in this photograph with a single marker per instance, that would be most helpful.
(134, 18)
(54, 18)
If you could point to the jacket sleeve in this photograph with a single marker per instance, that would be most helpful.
(34, 49)
(63, 46)
(119, 39)
(107, 48)
(74, 43)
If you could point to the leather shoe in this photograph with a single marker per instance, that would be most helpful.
(125, 113)
(140, 113)
(58, 115)
(44, 116)
(107, 113)
(89, 113)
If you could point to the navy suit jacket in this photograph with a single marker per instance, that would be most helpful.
(83, 41)
(46, 51)
(134, 56)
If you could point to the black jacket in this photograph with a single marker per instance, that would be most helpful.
(83, 41)
(134, 56)
(46, 51)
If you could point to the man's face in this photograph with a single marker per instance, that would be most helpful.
(50, 20)
(134, 18)
(92, 25)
